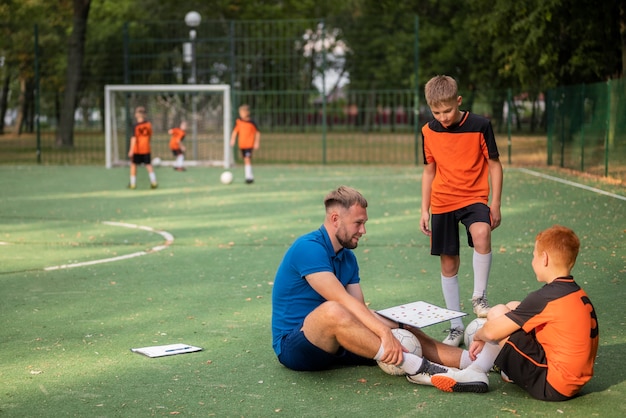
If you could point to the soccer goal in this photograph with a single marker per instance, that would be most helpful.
(206, 109)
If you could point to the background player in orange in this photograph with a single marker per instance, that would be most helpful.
(249, 139)
(547, 343)
(177, 135)
(139, 151)
(461, 158)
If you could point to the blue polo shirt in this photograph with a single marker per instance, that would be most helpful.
(292, 296)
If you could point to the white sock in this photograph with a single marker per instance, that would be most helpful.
(466, 361)
(411, 363)
(179, 160)
(381, 351)
(450, 287)
(152, 177)
(248, 172)
(484, 359)
(133, 180)
(482, 266)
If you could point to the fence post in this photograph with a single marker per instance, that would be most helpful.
(582, 128)
(608, 127)
(324, 137)
(416, 97)
(37, 94)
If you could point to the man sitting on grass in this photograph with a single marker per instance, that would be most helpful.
(319, 316)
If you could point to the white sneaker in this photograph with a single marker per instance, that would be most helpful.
(455, 337)
(429, 369)
(481, 306)
(466, 380)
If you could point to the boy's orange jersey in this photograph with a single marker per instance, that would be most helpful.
(143, 133)
(246, 130)
(177, 136)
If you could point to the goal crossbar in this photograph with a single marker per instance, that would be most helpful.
(220, 108)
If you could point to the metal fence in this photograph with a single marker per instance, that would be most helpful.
(587, 128)
(307, 84)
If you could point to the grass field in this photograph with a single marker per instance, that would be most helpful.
(90, 269)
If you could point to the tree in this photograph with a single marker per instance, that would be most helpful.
(75, 56)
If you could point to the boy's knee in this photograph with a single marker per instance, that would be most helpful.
(497, 311)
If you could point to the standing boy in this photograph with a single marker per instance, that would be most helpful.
(177, 135)
(249, 139)
(461, 157)
(139, 151)
(549, 340)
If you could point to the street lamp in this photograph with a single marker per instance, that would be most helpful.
(192, 19)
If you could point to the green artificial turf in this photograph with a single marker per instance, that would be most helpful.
(66, 333)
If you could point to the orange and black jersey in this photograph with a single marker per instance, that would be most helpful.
(460, 153)
(143, 133)
(246, 130)
(176, 137)
(565, 324)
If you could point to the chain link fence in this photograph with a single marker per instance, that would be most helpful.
(308, 83)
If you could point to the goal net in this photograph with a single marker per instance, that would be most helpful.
(206, 110)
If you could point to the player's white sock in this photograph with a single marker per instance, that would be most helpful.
(484, 359)
(248, 172)
(379, 354)
(466, 361)
(450, 287)
(133, 180)
(152, 177)
(179, 160)
(482, 266)
(410, 363)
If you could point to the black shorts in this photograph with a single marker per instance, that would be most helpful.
(445, 228)
(298, 353)
(246, 152)
(142, 159)
(524, 361)
(177, 152)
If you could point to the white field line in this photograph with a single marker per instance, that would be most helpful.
(571, 183)
(169, 238)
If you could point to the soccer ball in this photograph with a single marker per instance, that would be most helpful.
(471, 329)
(156, 161)
(408, 340)
(226, 177)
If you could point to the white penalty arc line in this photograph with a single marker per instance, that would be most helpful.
(571, 183)
(169, 239)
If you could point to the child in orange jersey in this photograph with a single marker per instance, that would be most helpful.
(139, 150)
(461, 158)
(177, 135)
(547, 343)
(249, 139)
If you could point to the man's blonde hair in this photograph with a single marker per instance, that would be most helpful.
(346, 197)
(440, 89)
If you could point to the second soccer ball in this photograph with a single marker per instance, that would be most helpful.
(226, 177)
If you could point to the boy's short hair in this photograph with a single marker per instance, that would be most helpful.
(140, 109)
(561, 243)
(440, 89)
(346, 197)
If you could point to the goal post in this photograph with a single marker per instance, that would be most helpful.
(206, 108)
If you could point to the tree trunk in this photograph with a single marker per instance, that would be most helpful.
(75, 55)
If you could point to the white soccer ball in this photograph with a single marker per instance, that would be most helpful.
(156, 161)
(409, 341)
(226, 177)
(471, 329)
